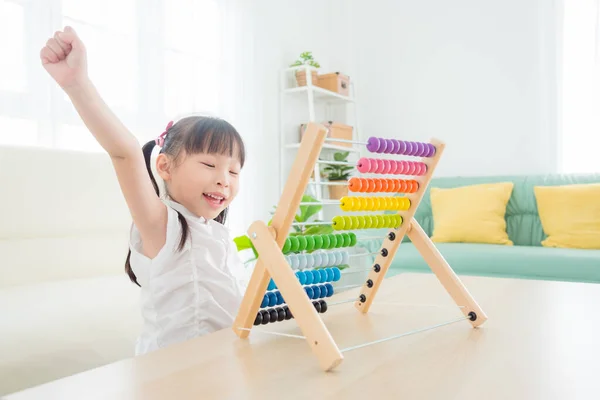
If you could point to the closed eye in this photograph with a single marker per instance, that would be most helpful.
(208, 165)
(234, 173)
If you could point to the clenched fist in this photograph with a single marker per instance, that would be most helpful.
(64, 57)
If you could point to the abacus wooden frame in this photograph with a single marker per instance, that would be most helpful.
(426, 248)
(269, 240)
(271, 263)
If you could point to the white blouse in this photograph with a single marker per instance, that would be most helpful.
(191, 292)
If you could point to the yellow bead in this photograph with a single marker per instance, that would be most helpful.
(351, 203)
(377, 204)
(406, 203)
(397, 203)
(370, 204)
(346, 203)
(388, 221)
(363, 203)
(367, 219)
(338, 223)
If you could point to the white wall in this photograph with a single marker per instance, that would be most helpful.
(282, 30)
(477, 75)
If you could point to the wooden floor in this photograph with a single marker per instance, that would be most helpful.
(541, 341)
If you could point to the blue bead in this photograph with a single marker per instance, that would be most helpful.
(329, 288)
(323, 273)
(279, 298)
(272, 285)
(309, 277)
(265, 301)
(272, 299)
(309, 291)
(316, 292)
(329, 272)
(316, 276)
(301, 277)
(337, 274)
(323, 290)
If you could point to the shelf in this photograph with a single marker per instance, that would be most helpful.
(327, 147)
(321, 94)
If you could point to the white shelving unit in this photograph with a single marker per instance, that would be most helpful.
(311, 103)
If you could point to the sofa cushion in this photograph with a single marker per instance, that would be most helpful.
(56, 329)
(507, 261)
(570, 215)
(471, 214)
(522, 220)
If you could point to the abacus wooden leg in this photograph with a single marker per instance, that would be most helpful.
(445, 274)
(306, 316)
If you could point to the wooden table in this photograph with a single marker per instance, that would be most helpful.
(542, 341)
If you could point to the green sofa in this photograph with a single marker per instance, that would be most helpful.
(526, 259)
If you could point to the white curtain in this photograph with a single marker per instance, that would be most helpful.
(152, 61)
(580, 87)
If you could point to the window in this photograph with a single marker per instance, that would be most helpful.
(580, 87)
(151, 62)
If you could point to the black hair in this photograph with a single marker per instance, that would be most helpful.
(194, 135)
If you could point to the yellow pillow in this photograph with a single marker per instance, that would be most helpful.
(570, 215)
(472, 214)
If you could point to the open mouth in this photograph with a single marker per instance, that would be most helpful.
(214, 199)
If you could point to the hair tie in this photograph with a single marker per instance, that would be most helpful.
(160, 140)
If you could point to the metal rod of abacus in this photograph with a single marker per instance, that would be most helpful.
(403, 334)
(363, 254)
(328, 183)
(311, 223)
(353, 164)
(345, 141)
(324, 203)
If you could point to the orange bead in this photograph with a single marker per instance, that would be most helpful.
(402, 186)
(384, 185)
(370, 185)
(393, 185)
(415, 186)
(354, 184)
(378, 185)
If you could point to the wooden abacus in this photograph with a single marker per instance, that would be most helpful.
(273, 269)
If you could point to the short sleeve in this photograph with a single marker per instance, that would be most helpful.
(140, 264)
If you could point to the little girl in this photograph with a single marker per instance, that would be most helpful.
(177, 189)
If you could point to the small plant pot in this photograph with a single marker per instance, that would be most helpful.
(337, 192)
(301, 78)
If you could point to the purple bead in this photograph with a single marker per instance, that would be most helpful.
(373, 144)
(426, 150)
(395, 146)
(421, 149)
(431, 150)
(409, 148)
(382, 145)
(401, 147)
(390, 146)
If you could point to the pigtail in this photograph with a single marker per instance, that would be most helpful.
(147, 151)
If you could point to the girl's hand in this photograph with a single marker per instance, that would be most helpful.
(64, 58)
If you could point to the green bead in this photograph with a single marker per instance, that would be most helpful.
(346, 239)
(373, 219)
(302, 241)
(353, 237)
(348, 222)
(310, 243)
(339, 240)
(318, 241)
(332, 240)
(294, 244)
(380, 221)
(326, 241)
(286, 246)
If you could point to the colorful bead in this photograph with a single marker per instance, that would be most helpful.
(286, 246)
(346, 238)
(402, 147)
(353, 235)
(310, 243)
(380, 166)
(272, 299)
(411, 168)
(323, 275)
(354, 184)
(302, 261)
(332, 239)
(336, 274)
(382, 145)
(373, 144)
(363, 165)
(329, 272)
(326, 241)
(318, 242)
(432, 150)
(294, 244)
(338, 223)
(302, 243)
(265, 301)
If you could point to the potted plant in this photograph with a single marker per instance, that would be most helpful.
(305, 214)
(338, 173)
(306, 58)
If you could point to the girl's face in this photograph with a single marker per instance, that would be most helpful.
(203, 183)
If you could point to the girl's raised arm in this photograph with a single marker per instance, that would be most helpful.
(64, 58)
